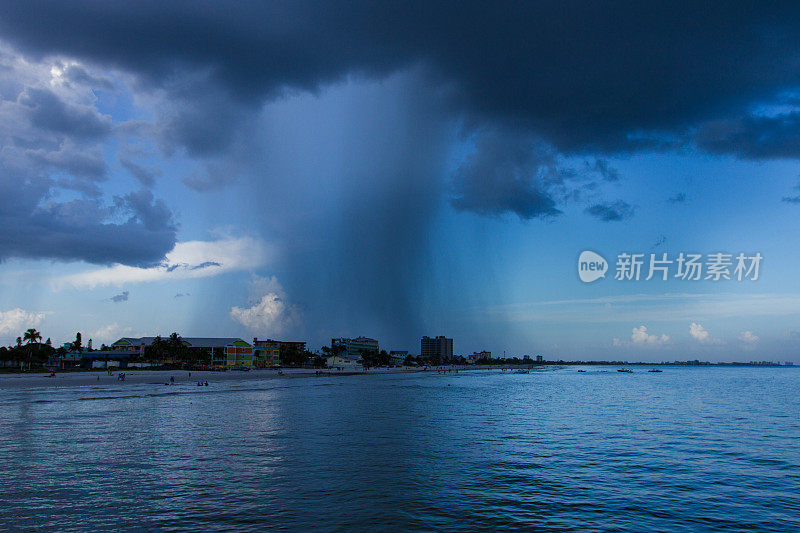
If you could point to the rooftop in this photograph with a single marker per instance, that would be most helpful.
(195, 342)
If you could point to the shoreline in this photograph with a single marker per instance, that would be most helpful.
(34, 380)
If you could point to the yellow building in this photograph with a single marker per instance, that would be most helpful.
(239, 354)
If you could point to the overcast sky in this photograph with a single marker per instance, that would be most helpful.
(303, 170)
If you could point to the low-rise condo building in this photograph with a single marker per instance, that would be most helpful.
(223, 351)
(398, 357)
(353, 348)
(269, 352)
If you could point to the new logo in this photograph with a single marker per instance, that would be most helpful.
(591, 266)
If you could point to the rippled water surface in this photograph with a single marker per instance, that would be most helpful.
(706, 449)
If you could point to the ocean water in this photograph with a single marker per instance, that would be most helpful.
(688, 449)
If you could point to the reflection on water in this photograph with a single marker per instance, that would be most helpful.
(689, 448)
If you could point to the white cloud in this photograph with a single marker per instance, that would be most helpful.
(698, 332)
(190, 259)
(748, 339)
(701, 335)
(640, 337)
(15, 321)
(108, 334)
(270, 313)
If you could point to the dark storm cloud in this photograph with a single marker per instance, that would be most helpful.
(52, 138)
(559, 78)
(153, 214)
(583, 76)
(83, 164)
(49, 112)
(137, 231)
(121, 297)
(753, 137)
(79, 75)
(203, 118)
(508, 174)
(75, 168)
(611, 211)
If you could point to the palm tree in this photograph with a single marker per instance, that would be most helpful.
(31, 336)
(174, 346)
(153, 351)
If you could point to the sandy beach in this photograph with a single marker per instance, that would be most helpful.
(159, 377)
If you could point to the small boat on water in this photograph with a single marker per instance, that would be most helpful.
(522, 372)
(625, 370)
(654, 370)
(581, 370)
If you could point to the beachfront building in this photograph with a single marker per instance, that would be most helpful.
(266, 356)
(335, 361)
(269, 352)
(93, 359)
(440, 348)
(351, 349)
(480, 356)
(239, 354)
(266, 353)
(398, 357)
(224, 351)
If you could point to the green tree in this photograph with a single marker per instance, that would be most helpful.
(156, 349)
(178, 350)
(334, 350)
(295, 357)
(370, 358)
(174, 346)
(77, 345)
